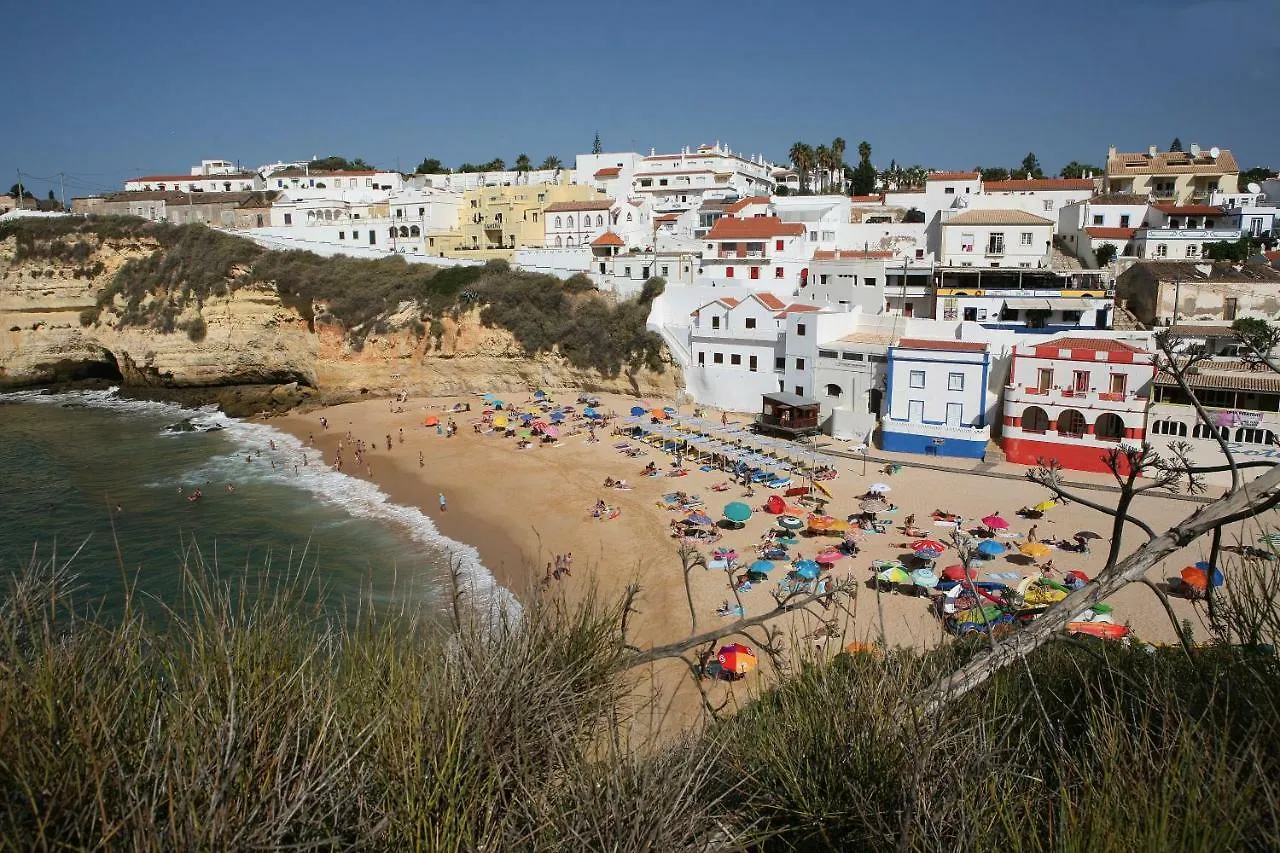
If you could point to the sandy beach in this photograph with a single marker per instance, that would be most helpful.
(520, 508)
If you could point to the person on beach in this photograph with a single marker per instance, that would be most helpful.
(724, 419)
(568, 562)
(304, 460)
(231, 487)
(1031, 534)
(272, 444)
(443, 506)
(422, 463)
(402, 435)
(388, 441)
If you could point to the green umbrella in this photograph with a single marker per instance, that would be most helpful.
(737, 512)
(894, 574)
(790, 522)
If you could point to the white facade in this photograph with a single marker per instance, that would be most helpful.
(848, 281)
(333, 184)
(997, 239)
(762, 253)
(1044, 197)
(462, 181)
(576, 223)
(225, 182)
(680, 181)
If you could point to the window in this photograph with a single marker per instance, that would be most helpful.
(869, 282)
(755, 272)
(1071, 423)
(966, 242)
(1206, 431)
(715, 322)
(735, 359)
(826, 353)
(1193, 250)
(728, 272)
(664, 271)
(813, 235)
(1026, 238)
(834, 390)
(799, 390)
(1161, 250)
(1255, 436)
(1171, 428)
(1072, 316)
(778, 272)
(625, 270)
(1097, 219)
(955, 381)
(1080, 380)
(799, 364)
(559, 222)
(1048, 204)
(1034, 419)
(851, 356)
(1229, 307)
(342, 235)
(876, 359)
(949, 191)
(778, 246)
(995, 244)
(288, 219)
(718, 357)
(702, 359)
(1124, 220)
(779, 363)
(800, 329)
(749, 323)
(1044, 379)
(917, 379)
(752, 364)
(1109, 427)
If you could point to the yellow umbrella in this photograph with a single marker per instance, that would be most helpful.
(1035, 549)
(500, 421)
(1044, 506)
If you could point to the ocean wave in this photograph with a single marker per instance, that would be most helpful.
(358, 498)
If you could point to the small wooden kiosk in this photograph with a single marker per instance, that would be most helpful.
(789, 415)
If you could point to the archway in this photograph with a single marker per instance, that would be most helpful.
(1071, 423)
(1034, 419)
(1109, 427)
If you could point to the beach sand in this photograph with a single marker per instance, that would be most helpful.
(519, 508)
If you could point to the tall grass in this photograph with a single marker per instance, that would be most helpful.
(256, 719)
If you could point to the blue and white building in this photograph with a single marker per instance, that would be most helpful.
(937, 402)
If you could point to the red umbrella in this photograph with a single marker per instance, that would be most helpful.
(829, 556)
(1078, 575)
(538, 425)
(956, 573)
(775, 505)
(928, 545)
(995, 522)
(737, 658)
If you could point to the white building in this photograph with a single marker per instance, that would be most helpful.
(224, 182)
(848, 280)
(1181, 232)
(462, 181)
(577, 223)
(681, 181)
(761, 252)
(995, 239)
(333, 183)
(1072, 399)
(1044, 197)
(1087, 226)
(610, 173)
(937, 398)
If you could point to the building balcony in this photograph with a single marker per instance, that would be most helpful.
(1032, 395)
(739, 253)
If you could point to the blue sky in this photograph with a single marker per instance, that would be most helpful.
(102, 91)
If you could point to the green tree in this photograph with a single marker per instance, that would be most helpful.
(1030, 167)
(1106, 253)
(1256, 175)
(551, 162)
(334, 163)
(838, 148)
(1077, 170)
(822, 164)
(596, 147)
(430, 166)
(523, 164)
(802, 158)
(51, 196)
(864, 174)
(1176, 144)
(1237, 251)
(20, 191)
(1258, 334)
(993, 173)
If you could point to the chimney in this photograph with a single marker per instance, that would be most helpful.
(1195, 149)
(1151, 151)
(1111, 153)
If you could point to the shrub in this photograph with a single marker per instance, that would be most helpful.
(197, 329)
(89, 316)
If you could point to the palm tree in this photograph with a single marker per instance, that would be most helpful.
(801, 155)
(552, 162)
(838, 147)
(523, 166)
(822, 160)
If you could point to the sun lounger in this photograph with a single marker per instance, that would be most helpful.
(735, 612)
(778, 483)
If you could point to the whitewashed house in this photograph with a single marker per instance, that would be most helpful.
(937, 398)
(1180, 232)
(576, 223)
(761, 252)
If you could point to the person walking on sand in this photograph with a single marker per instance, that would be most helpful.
(1031, 534)
(422, 463)
(443, 505)
(388, 441)
(402, 435)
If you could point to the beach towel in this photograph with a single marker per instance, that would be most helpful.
(732, 611)
(717, 564)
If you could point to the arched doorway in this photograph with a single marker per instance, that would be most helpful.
(1108, 427)
(1034, 419)
(1071, 423)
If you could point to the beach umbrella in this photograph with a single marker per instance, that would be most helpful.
(500, 421)
(990, 548)
(551, 432)
(658, 413)
(927, 554)
(538, 395)
(995, 522)
(637, 411)
(737, 512)
(737, 659)
(526, 418)
(1044, 506)
(524, 433)
(829, 556)
(1035, 549)
(539, 425)
(894, 574)
(880, 488)
(924, 578)
(790, 522)
(957, 573)
(669, 411)
(760, 567)
(1080, 576)
(588, 412)
(871, 507)
(775, 505)
(807, 569)
(928, 545)
(700, 518)
(1270, 538)
(557, 417)
(1088, 534)
(1197, 578)
(431, 420)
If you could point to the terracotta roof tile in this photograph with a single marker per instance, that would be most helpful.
(608, 238)
(1119, 198)
(997, 217)
(754, 228)
(743, 203)
(1037, 184)
(1172, 162)
(1095, 344)
(238, 176)
(589, 204)
(769, 300)
(867, 199)
(1189, 210)
(953, 176)
(726, 301)
(1253, 381)
(608, 172)
(1100, 233)
(942, 345)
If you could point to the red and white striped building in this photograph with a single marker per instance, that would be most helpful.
(1074, 399)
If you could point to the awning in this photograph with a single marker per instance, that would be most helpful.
(1072, 303)
(1029, 304)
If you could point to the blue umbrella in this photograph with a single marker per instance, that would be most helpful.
(928, 554)
(670, 411)
(526, 417)
(637, 411)
(807, 569)
(737, 512)
(991, 548)
(699, 518)
(498, 404)
(557, 417)
(489, 398)
(538, 395)
(589, 412)
(761, 567)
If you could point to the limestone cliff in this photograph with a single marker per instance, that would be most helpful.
(52, 331)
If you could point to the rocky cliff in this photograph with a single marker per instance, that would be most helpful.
(244, 347)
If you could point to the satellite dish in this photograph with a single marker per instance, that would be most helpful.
(1255, 189)
(1214, 152)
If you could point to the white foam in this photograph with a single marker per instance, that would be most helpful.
(359, 498)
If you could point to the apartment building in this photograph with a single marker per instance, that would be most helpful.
(1180, 177)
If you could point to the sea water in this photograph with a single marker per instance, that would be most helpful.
(103, 482)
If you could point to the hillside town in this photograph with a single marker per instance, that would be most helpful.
(982, 314)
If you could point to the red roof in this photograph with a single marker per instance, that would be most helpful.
(1189, 209)
(1088, 344)
(755, 228)
(850, 254)
(666, 217)
(769, 300)
(743, 203)
(608, 238)
(726, 301)
(953, 176)
(1027, 185)
(1100, 233)
(944, 346)
(608, 172)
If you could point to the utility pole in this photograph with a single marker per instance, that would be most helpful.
(62, 187)
(18, 173)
